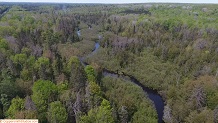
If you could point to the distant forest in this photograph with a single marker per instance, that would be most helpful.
(109, 63)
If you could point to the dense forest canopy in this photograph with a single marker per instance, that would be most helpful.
(49, 69)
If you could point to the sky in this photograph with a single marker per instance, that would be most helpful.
(115, 1)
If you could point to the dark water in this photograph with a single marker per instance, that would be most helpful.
(97, 45)
(152, 94)
(78, 33)
(4, 12)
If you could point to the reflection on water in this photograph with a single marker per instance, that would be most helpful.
(78, 33)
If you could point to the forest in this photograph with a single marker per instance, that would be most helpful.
(109, 63)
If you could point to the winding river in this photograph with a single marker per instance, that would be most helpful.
(4, 12)
(153, 95)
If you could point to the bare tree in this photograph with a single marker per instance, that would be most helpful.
(29, 104)
(123, 114)
(198, 97)
(215, 111)
(167, 117)
(77, 107)
(88, 98)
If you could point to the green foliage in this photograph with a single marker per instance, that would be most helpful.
(41, 62)
(165, 71)
(124, 93)
(73, 62)
(19, 58)
(17, 104)
(208, 86)
(1, 113)
(25, 74)
(3, 44)
(57, 112)
(30, 62)
(42, 65)
(168, 47)
(55, 67)
(4, 47)
(150, 117)
(8, 85)
(62, 87)
(101, 114)
(94, 88)
(49, 38)
(44, 92)
(205, 116)
(212, 98)
(5, 103)
(26, 51)
(90, 72)
(76, 73)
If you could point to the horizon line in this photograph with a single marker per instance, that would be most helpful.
(112, 2)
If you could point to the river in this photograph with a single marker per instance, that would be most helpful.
(153, 95)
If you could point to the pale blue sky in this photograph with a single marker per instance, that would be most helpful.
(115, 1)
